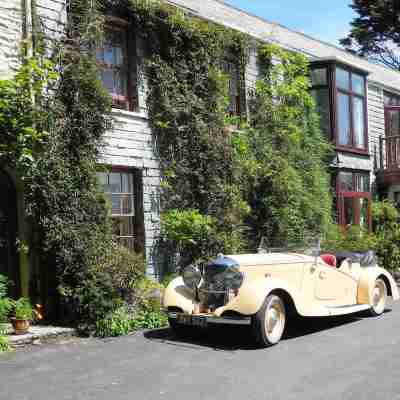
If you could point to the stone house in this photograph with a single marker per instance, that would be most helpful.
(359, 103)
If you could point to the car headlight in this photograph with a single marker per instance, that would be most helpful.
(192, 277)
(233, 278)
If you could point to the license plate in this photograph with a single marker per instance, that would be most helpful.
(192, 320)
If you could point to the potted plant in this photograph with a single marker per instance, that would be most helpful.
(23, 315)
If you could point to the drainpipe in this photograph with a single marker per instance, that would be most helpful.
(23, 228)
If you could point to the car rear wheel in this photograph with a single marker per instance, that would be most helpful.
(379, 297)
(269, 323)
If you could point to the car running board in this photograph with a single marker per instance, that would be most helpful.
(348, 309)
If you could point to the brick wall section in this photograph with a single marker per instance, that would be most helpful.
(10, 35)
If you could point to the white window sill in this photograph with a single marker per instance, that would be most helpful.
(131, 114)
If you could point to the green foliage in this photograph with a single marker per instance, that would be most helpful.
(5, 302)
(282, 155)
(187, 104)
(123, 267)
(191, 232)
(143, 311)
(118, 323)
(351, 239)
(22, 309)
(5, 308)
(387, 230)
(374, 32)
(4, 343)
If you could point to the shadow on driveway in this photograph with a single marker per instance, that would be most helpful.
(231, 338)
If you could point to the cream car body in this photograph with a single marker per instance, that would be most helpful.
(308, 285)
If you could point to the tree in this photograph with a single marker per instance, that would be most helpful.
(375, 32)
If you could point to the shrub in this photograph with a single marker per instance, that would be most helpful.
(124, 269)
(190, 233)
(23, 309)
(387, 229)
(5, 307)
(352, 239)
(117, 323)
(144, 311)
(109, 287)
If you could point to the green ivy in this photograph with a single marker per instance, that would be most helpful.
(282, 155)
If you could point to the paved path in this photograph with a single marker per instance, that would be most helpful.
(345, 358)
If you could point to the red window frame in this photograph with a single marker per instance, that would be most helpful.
(334, 92)
(355, 196)
(126, 101)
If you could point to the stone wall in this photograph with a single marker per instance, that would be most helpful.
(11, 24)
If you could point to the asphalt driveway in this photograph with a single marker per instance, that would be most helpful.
(343, 358)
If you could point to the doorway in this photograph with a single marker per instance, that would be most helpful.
(8, 233)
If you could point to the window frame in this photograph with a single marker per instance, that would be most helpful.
(240, 99)
(354, 195)
(130, 101)
(137, 214)
(334, 103)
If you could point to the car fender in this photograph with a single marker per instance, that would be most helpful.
(178, 295)
(367, 281)
(252, 294)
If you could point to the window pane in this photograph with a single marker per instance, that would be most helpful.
(362, 182)
(127, 204)
(346, 182)
(116, 204)
(342, 79)
(391, 99)
(358, 85)
(127, 183)
(102, 179)
(364, 207)
(107, 77)
(344, 119)
(319, 76)
(349, 211)
(115, 182)
(321, 97)
(113, 60)
(393, 123)
(120, 82)
(359, 122)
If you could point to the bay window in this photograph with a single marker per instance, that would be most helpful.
(340, 95)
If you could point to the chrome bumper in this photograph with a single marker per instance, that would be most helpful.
(212, 319)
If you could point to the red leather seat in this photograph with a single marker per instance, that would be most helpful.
(329, 259)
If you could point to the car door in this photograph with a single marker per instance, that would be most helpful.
(332, 287)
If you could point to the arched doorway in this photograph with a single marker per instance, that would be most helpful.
(8, 233)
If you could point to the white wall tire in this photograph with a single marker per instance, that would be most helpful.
(269, 323)
(379, 298)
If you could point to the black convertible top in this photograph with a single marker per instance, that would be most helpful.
(365, 258)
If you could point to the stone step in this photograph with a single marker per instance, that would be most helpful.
(38, 334)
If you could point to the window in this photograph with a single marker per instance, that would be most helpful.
(351, 109)
(354, 198)
(340, 94)
(391, 99)
(123, 190)
(320, 92)
(231, 69)
(117, 69)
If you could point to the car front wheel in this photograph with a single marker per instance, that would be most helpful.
(269, 323)
(379, 297)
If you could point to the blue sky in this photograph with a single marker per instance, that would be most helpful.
(328, 20)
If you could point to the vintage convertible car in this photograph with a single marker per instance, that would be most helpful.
(266, 290)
